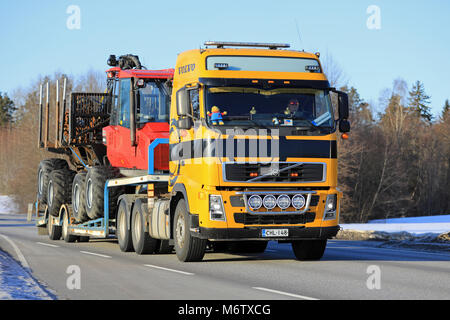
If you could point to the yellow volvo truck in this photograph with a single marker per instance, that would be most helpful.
(253, 154)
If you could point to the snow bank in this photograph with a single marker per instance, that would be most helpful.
(413, 228)
(17, 283)
(8, 205)
(425, 219)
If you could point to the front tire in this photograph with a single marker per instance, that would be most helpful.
(187, 248)
(309, 249)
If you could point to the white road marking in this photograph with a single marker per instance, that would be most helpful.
(48, 244)
(96, 254)
(167, 269)
(285, 293)
(21, 257)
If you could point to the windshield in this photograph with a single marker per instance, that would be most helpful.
(153, 104)
(240, 106)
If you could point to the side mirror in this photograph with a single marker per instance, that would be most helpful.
(343, 106)
(183, 103)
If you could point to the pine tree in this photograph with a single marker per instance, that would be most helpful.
(419, 102)
(7, 109)
(446, 110)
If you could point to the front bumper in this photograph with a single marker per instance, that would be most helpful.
(255, 233)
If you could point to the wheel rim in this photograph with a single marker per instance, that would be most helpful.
(65, 225)
(89, 197)
(50, 193)
(122, 224)
(180, 231)
(76, 196)
(137, 227)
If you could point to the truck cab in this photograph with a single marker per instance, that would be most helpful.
(253, 150)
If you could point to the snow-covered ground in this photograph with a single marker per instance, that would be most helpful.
(413, 225)
(7, 205)
(17, 283)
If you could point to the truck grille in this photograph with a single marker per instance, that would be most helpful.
(265, 219)
(264, 172)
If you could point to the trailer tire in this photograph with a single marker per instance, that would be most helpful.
(45, 168)
(59, 189)
(187, 247)
(123, 231)
(79, 198)
(95, 191)
(305, 250)
(65, 216)
(142, 242)
(54, 231)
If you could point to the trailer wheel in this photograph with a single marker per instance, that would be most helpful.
(54, 231)
(309, 249)
(44, 170)
(59, 189)
(65, 216)
(142, 242)
(187, 247)
(123, 231)
(95, 191)
(79, 198)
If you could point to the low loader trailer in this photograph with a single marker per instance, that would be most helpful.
(235, 147)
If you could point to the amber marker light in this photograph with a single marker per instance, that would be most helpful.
(345, 136)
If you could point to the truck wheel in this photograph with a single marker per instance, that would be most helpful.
(79, 198)
(142, 242)
(65, 216)
(188, 248)
(54, 231)
(309, 249)
(122, 230)
(248, 246)
(95, 191)
(44, 170)
(59, 189)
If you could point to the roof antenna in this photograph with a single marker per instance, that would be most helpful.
(298, 33)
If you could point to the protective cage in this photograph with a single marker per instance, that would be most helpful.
(88, 114)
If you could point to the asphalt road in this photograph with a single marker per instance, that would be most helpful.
(349, 270)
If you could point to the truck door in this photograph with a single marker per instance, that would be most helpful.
(120, 152)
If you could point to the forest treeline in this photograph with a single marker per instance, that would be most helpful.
(396, 162)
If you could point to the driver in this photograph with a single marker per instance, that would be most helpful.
(292, 107)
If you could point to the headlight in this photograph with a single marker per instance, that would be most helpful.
(298, 201)
(216, 211)
(330, 207)
(269, 202)
(284, 201)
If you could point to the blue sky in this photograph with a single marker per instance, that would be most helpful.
(413, 42)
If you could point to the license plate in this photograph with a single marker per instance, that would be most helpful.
(275, 233)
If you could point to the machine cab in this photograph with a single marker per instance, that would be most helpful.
(139, 115)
